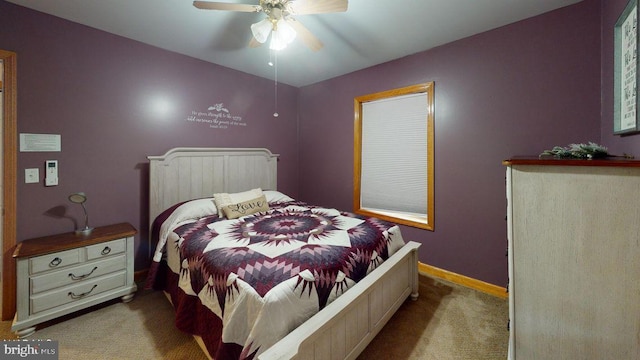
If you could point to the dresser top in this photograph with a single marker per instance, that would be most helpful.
(551, 161)
(54, 243)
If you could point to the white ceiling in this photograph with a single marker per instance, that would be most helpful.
(369, 33)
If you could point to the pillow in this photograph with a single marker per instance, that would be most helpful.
(224, 199)
(195, 209)
(234, 211)
(276, 196)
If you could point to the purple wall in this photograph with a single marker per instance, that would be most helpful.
(516, 90)
(611, 10)
(99, 91)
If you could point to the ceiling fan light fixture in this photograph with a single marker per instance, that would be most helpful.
(261, 30)
(277, 41)
(282, 35)
(287, 31)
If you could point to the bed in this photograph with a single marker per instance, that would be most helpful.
(305, 313)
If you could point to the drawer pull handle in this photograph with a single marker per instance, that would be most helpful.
(106, 250)
(80, 296)
(75, 277)
(55, 262)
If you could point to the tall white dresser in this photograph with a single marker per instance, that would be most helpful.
(574, 258)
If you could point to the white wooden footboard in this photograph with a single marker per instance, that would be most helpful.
(345, 327)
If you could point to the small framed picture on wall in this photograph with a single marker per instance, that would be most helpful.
(626, 101)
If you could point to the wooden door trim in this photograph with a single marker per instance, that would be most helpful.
(9, 182)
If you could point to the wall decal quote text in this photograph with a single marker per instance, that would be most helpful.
(217, 117)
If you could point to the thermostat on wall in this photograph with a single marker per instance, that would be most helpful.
(51, 171)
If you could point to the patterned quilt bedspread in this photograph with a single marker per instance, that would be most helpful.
(244, 284)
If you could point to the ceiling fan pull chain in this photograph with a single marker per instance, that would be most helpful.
(275, 55)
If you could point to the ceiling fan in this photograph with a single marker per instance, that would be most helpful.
(280, 22)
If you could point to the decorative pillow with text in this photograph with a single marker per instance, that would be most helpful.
(224, 199)
(234, 211)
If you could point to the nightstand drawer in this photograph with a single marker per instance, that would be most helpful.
(84, 290)
(105, 249)
(78, 273)
(54, 261)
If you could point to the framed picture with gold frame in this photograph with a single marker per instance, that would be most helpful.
(626, 101)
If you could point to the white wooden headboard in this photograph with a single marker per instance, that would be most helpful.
(190, 173)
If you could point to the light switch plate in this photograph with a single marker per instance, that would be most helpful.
(31, 176)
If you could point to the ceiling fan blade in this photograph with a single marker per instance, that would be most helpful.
(305, 35)
(211, 5)
(254, 43)
(305, 7)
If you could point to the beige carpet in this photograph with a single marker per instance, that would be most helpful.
(446, 322)
(141, 329)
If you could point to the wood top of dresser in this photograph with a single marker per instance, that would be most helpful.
(551, 161)
(54, 243)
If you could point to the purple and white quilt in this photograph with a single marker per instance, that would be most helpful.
(243, 284)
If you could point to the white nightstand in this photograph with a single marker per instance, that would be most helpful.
(60, 274)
